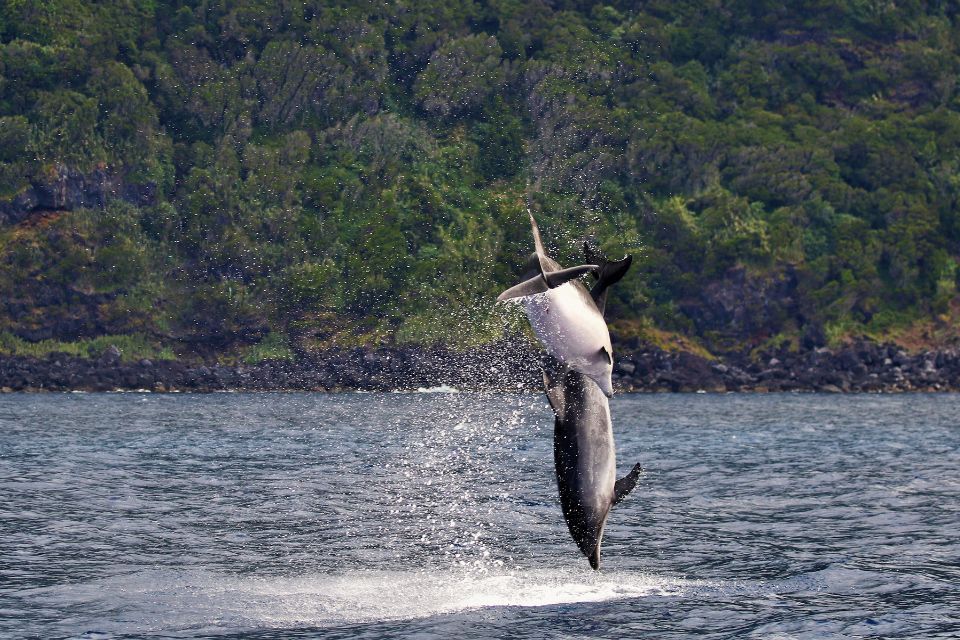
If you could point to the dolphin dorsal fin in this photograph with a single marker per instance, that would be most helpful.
(538, 245)
(537, 241)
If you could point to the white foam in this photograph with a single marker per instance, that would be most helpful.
(167, 600)
(441, 389)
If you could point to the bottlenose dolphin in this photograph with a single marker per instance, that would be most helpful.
(583, 446)
(564, 315)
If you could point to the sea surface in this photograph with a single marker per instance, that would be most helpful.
(435, 515)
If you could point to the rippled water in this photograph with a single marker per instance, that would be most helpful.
(436, 515)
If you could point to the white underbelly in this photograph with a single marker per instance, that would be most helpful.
(570, 329)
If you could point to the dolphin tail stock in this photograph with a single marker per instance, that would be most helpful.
(609, 272)
(623, 486)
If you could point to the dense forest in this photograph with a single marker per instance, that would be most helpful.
(264, 178)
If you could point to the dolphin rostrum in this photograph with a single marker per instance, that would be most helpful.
(583, 446)
(564, 315)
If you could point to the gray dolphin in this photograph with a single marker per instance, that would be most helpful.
(583, 446)
(564, 315)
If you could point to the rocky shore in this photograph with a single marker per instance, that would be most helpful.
(861, 367)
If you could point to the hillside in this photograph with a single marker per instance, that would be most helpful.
(253, 179)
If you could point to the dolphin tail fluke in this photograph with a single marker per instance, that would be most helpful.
(609, 272)
(625, 485)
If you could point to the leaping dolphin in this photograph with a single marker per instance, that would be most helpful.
(585, 458)
(583, 446)
(564, 315)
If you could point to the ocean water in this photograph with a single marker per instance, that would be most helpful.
(435, 515)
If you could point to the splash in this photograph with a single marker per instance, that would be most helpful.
(168, 600)
(440, 389)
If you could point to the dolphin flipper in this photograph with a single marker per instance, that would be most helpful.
(556, 278)
(556, 396)
(609, 272)
(625, 485)
(545, 281)
(553, 374)
(530, 287)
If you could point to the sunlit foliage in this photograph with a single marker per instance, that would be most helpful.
(321, 166)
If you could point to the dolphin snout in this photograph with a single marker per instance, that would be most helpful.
(606, 386)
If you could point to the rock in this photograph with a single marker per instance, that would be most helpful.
(499, 366)
(110, 355)
(743, 304)
(69, 189)
(847, 359)
(813, 337)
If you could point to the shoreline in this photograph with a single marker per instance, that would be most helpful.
(864, 367)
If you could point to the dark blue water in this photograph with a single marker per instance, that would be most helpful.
(436, 515)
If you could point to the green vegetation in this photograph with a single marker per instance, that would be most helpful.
(132, 347)
(335, 173)
(273, 347)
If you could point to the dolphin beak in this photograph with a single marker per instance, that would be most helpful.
(605, 386)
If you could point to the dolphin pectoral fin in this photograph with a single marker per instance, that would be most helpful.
(530, 287)
(625, 485)
(553, 372)
(555, 395)
(556, 278)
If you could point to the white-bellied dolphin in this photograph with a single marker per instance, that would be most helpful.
(565, 316)
(583, 446)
